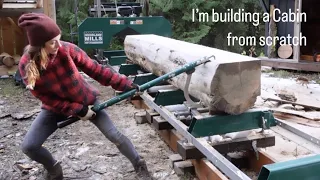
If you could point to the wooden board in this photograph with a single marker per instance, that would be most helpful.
(297, 119)
(291, 64)
(49, 8)
(4, 70)
(18, 5)
(13, 39)
(314, 115)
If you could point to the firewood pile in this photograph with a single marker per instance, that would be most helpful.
(8, 63)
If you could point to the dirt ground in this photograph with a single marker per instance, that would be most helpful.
(85, 153)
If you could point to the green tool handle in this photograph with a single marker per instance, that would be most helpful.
(116, 99)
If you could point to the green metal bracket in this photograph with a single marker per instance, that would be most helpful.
(144, 78)
(109, 54)
(117, 60)
(222, 124)
(129, 69)
(97, 32)
(169, 97)
(306, 168)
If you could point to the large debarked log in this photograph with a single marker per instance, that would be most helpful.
(230, 83)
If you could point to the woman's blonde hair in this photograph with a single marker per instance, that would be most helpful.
(38, 61)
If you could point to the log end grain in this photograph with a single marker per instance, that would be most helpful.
(235, 87)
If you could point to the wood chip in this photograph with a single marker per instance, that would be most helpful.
(23, 167)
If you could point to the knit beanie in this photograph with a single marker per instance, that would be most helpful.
(39, 28)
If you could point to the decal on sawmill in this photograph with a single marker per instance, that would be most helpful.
(138, 21)
(93, 37)
(114, 21)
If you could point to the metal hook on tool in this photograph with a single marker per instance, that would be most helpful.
(207, 59)
(190, 102)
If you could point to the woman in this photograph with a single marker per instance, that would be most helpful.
(49, 68)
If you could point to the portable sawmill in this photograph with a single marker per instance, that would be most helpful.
(204, 100)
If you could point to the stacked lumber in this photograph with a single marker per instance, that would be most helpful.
(14, 4)
(229, 84)
(8, 63)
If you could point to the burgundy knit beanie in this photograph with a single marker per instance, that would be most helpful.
(39, 27)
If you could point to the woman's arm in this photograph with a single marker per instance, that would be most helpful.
(63, 106)
(102, 74)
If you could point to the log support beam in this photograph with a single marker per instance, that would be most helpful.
(206, 170)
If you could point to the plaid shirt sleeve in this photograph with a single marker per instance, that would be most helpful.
(65, 107)
(102, 74)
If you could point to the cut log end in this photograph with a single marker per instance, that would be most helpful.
(234, 88)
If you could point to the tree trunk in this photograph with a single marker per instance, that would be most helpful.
(230, 83)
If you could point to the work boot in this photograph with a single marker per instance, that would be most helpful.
(55, 172)
(142, 171)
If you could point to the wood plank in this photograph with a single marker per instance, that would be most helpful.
(7, 36)
(18, 6)
(4, 70)
(20, 39)
(206, 171)
(310, 58)
(171, 137)
(161, 124)
(19, 1)
(312, 115)
(297, 30)
(39, 3)
(264, 159)
(139, 104)
(49, 8)
(1, 38)
(296, 119)
(18, 12)
(289, 64)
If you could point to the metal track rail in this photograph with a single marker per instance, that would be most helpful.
(213, 155)
(298, 132)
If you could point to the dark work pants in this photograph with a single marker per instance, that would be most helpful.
(46, 123)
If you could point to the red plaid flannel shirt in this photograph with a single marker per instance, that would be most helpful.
(62, 89)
